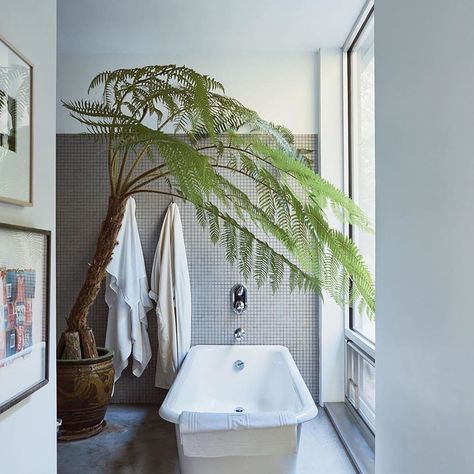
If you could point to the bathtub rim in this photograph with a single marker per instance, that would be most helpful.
(308, 411)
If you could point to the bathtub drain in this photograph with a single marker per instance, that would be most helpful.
(239, 410)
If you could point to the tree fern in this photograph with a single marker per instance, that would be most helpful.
(191, 134)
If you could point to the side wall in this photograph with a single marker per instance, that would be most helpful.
(425, 251)
(31, 425)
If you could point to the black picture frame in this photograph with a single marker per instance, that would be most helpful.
(45, 318)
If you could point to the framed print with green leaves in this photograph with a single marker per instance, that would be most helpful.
(24, 312)
(16, 144)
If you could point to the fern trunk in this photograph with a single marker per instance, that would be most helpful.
(79, 341)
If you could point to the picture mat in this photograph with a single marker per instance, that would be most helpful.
(15, 166)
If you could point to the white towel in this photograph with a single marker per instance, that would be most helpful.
(209, 435)
(126, 294)
(171, 289)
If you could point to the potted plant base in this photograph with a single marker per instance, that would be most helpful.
(84, 390)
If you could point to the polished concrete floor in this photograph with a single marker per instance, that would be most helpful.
(137, 441)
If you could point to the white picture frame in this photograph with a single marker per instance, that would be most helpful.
(16, 126)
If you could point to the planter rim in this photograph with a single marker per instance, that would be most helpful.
(104, 354)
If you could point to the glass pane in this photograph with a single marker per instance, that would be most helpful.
(363, 153)
(351, 374)
(360, 384)
(367, 384)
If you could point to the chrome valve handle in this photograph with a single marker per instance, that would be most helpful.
(239, 334)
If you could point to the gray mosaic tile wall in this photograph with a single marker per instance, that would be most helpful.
(289, 319)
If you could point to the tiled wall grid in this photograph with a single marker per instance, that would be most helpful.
(289, 319)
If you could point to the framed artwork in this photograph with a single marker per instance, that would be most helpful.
(16, 137)
(24, 312)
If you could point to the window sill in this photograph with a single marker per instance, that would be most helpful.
(359, 449)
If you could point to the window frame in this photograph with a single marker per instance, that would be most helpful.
(365, 347)
(362, 409)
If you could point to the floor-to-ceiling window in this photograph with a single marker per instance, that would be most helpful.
(360, 161)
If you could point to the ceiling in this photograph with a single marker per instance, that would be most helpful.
(142, 26)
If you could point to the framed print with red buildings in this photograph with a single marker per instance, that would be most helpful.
(24, 312)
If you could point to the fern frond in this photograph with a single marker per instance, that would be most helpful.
(262, 263)
(246, 253)
(201, 216)
(214, 227)
(229, 240)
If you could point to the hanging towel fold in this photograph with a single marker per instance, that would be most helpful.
(237, 434)
(171, 289)
(126, 294)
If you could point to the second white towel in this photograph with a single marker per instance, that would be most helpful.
(171, 289)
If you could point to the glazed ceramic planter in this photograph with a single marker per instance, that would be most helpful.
(84, 390)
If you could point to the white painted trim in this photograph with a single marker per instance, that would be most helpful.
(331, 158)
(367, 346)
(345, 133)
(357, 25)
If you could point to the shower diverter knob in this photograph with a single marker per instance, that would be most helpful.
(239, 298)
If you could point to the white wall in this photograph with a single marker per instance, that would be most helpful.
(425, 229)
(28, 430)
(331, 324)
(280, 86)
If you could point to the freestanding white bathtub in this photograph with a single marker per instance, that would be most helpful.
(209, 382)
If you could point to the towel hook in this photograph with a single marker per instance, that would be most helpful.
(170, 190)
